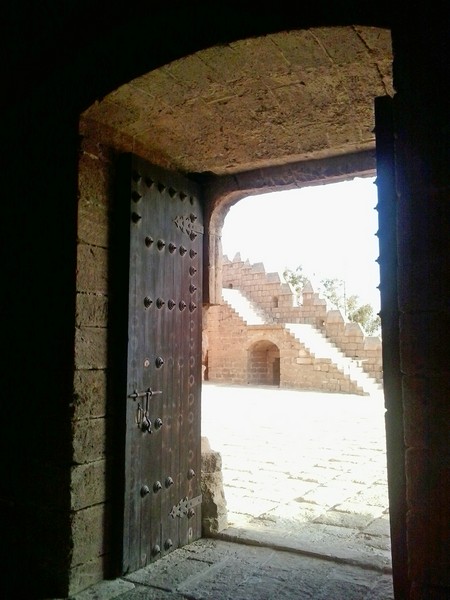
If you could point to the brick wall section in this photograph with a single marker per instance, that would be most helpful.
(279, 302)
(226, 359)
(90, 410)
(231, 343)
(350, 339)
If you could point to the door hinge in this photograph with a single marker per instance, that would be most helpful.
(185, 507)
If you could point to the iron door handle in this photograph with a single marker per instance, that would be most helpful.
(142, 413)
(147, 394)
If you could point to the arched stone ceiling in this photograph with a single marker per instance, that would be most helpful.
(254, 103)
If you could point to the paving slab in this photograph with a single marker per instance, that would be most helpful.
(331, 445)
(221, 570)
(305, 480)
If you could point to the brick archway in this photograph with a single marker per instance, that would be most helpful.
(263, 364)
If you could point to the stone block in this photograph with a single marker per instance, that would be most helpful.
(354, 330)
(335, 317)
(374, 355)
(351, 346)
(85, 575)
(213, 501)
(89, 535)
(89, 440)
(205, 445)
(345, 387)
(372, 343)
(214, 511)
(92, 269)
(90, 348)
(214, 525)
(91, 310)
(211, 462)
(91, 575)
(88, 484)
(93, 178)
(214, 506)
(93, 225)
(89, 394)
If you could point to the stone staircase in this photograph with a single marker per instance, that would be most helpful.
(316, 344)
(245, 308)
(320, 347)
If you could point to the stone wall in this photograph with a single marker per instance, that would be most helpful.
(350, 339)
(71, 58)
(91, 414)
(279, 302)
(225, 360)
(231, 344)
(91, 419)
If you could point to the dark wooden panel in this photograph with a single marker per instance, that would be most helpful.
(389, 314)
(164, 355)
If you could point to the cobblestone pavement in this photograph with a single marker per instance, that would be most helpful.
(304, 471)
(305, 482)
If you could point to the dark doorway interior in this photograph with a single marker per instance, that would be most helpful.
(264, 364)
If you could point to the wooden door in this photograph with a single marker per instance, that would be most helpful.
(162, 434)
(386, 153)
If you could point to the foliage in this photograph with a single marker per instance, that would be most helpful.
(334, 290)
(296, 278)
(364, 316)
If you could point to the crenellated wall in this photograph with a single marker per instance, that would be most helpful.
(234, 356)
(278, 301)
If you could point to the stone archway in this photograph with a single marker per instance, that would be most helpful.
(69, 65)
(218, 103)
(263, 364)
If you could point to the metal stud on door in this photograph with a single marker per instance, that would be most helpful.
(162, 445)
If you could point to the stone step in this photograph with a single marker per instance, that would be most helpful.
(247, 310)
(320, 347)
(315, 342)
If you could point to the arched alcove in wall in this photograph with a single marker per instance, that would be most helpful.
(263, 364)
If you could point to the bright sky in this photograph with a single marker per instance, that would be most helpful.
(327, 229)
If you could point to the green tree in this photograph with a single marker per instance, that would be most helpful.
(296, 278)
(363, 314)
(334, 290)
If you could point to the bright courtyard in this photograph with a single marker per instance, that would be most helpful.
(303, 471)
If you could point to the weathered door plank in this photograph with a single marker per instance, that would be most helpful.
(164, 355)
